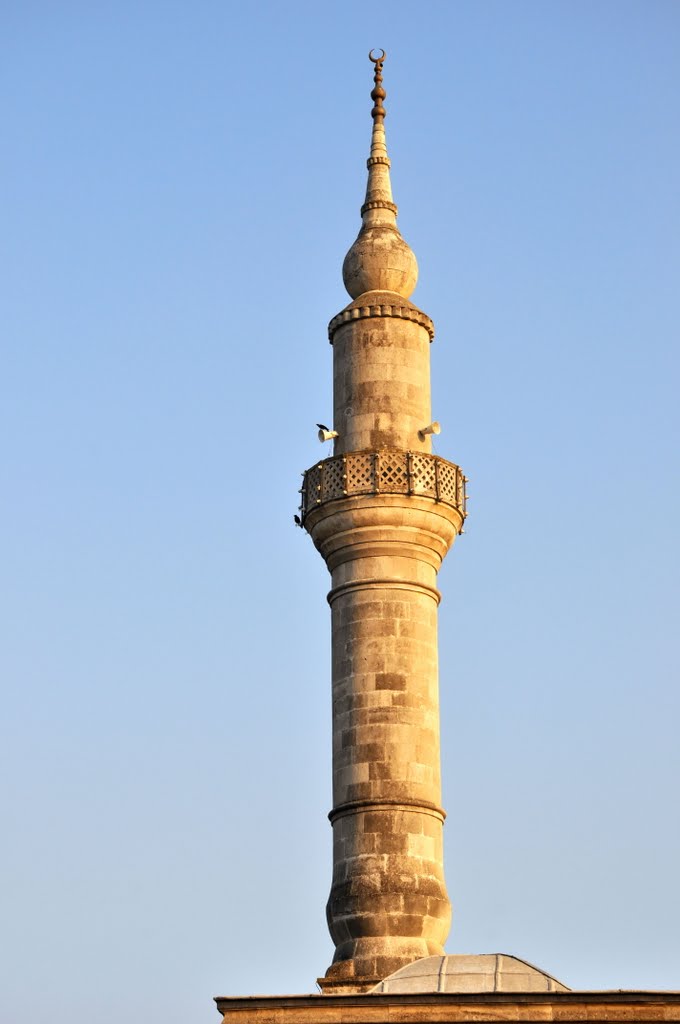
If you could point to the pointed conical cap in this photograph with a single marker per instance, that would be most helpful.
(380, 259)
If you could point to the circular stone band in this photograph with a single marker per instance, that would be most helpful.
(379, 204)
(357, 806)
(386, 583)
(362, 312)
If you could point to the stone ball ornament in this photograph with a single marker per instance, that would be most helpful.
(380, 260)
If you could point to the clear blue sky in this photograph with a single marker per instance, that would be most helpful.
(180, 183)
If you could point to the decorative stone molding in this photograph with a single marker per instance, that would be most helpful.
(379, 204)
(352, 806)
(373, 583)
(403, 312)
(387, 471)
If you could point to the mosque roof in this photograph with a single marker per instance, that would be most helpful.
(485, 972)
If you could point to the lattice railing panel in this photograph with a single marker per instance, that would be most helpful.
(387, 471)
(333, 478)
(393, 472)
(311, 488)
(360, 472)
(424, 474)
(447, 475)
(461, 493)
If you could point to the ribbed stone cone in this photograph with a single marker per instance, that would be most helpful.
(379, 259)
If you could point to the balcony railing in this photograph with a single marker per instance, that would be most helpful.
(387, 471)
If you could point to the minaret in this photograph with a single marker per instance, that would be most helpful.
(383, 511)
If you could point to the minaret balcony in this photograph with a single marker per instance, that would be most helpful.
(385, 471)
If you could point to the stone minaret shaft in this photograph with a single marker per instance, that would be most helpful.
(383, 511)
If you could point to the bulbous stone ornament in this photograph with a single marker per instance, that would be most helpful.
(380, 260)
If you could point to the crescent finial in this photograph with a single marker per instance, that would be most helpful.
(378, 94)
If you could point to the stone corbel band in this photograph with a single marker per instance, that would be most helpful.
(403, 312)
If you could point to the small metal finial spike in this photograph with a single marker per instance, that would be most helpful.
(378, 94)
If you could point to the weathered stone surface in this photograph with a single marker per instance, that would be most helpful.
(453, 1008)
(380, 259)
(388, 904)
(381, 384)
